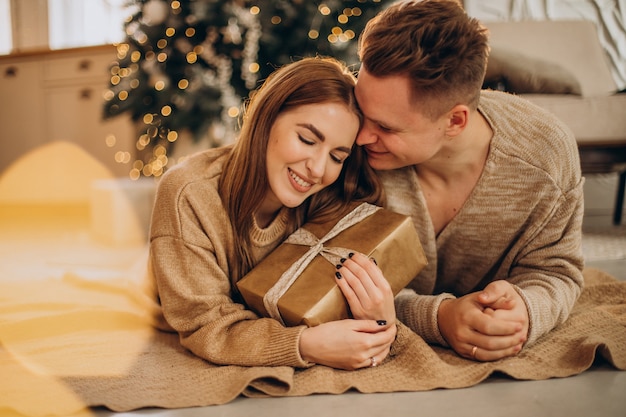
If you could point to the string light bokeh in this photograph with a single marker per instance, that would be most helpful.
(185, 67)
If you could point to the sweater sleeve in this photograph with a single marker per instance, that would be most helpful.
(196, 301)
(548, 272)
(419, 313)
(190, 237)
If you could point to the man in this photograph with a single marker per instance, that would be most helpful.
(493, 183)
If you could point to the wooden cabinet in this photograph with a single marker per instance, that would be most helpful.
(22, 109)
(58, 95)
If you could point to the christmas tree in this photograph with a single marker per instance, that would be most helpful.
(188, 65)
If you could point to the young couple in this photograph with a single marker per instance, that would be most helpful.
(491, 182)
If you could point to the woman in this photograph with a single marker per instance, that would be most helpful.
(223, 210)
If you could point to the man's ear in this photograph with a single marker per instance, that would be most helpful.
(458, 118)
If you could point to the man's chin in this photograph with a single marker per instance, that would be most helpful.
(378, 162)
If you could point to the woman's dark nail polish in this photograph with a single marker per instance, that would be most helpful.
(338, 275)
(338, 266)
(374, 260)
(381, 322)
(350, 255)
(342, 260)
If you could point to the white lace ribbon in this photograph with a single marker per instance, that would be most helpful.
(332, 254)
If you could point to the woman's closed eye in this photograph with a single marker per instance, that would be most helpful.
(306, 141)
(339, 157)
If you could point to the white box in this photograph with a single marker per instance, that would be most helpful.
(121, 209)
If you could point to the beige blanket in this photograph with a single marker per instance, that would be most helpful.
(66, 345)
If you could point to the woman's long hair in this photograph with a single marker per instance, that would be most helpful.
(244, 184)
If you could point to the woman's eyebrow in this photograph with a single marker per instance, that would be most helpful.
(314, 130)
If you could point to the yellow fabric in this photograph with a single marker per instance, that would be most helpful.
(56, 329)
(58, 172)
(72, 343)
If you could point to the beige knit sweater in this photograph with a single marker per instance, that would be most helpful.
(191, 248)
(522, 222)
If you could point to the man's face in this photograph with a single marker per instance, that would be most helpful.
(395, 134)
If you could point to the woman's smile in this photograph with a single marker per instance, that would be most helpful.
(299, 183)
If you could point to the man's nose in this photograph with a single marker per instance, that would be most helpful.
(366, 136)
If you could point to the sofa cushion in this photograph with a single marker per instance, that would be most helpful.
(519, 73)
(591, 119)
(573, 45)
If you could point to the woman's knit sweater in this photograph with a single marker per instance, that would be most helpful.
(191, 248)
(522, 222)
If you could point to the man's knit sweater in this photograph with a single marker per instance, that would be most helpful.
(191, 248)
(522, 222)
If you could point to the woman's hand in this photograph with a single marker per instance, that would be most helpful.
(368, 293)
(347, 344)
(366, 340)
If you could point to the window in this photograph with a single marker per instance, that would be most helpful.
(58, 24)
(6, 38)
(75, 23)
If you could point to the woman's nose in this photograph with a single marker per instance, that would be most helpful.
(316, 165)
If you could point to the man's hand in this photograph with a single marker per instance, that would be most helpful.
(487, 325)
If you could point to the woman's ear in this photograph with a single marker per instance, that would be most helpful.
(458, 118)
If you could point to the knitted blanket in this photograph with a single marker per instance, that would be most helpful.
(75, 343)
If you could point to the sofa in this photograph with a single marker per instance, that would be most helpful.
(562, 67)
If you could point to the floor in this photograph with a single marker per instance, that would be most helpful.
(600, 391)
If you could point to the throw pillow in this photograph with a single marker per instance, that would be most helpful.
(518, 73)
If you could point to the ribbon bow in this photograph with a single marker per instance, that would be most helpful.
(316, 247)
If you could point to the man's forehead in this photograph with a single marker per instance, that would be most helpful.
(383, 101)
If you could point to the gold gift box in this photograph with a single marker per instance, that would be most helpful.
(314, 297)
